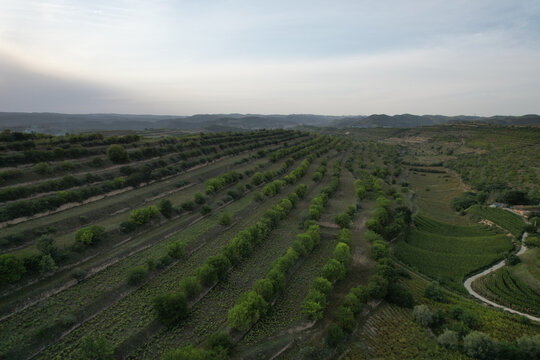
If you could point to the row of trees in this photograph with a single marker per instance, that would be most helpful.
(215, 268)
(318, 203)
(335, 269)
(253, 304)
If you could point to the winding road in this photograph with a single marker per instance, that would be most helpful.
(499, 265)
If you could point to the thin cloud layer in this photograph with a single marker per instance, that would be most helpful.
(343, 57)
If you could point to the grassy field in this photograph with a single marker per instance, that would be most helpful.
(449, 252)
(505, 219)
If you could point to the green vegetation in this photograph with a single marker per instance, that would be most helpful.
(505, 219)
(448, 252)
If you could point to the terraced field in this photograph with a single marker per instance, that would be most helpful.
(449, 252)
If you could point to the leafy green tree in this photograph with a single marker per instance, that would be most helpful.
(342, 254)
(399, 295)
(265, 288)
(333, 271)
(199, 198)
(171, 307)
(207, 275)
(205, 209)
(219, 342)
(95, 348)
(378, 250)
(343, 220)
(136, 275)
(89, 235)
(322, 285)
(42, 168)
(117, 154)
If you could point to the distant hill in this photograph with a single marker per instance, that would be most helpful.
(56, 123)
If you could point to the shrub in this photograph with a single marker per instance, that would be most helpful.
(342, 254)
(400, 295)
(334, 335)
(205, 209)
(258, 196)
(190, 286)
(175, 249)
(207, 275)
(449, 339)
(372, 236)
(224, 219)
(188, 205)
(200, 198)
(353, 303)
(143, 215)
(343, 220)
(128, 226)
(345, 318)
(117, 154)
(170, 307)
(90, 235)
(378, 250)
(377, 287)
(42, 168)
(166, 208)
(434, 292)
(47, 264)
(265, 288)
(479, 345)
(45, 244)
(163, 261)
(512, 259)
(95, 348)
(220, 342)
(344, 236)
(136, 275)
(422, 315)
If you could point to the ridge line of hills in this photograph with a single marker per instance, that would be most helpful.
(57, 123)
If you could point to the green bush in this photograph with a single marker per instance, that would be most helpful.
(333, 271)
(144, 215)
(400, 295)
(117, 154)
(200, 198)
(434, 292)
(95, 348)
(377, 287)
(205, 209)
(171, 307)
(343, 220)
(479, 345)
(224, 219)
(449, 339)
(422, 315)
(345, 318)
(136, 275)
(89, 235)
(166, 208)
(334, 335)
(190, 286)
(175, 249)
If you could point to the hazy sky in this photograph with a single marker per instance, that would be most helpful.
(220, 56)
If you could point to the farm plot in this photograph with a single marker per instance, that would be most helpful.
(505, 219)
(133, 313)
(504, 288)
(449, 252)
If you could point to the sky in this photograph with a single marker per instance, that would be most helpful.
(332, 57)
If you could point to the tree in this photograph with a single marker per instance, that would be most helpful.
(171, 307)
(342, 254)
(205, 209)
(11, 269)
(378, 250)
(95, 348)
(166, 208)
(434, 292)
(377, 287)
(479, 345)
(265, 288)
(400, 295)
(136, 275)
(322, 285)
(449, 339)
(117, 154)
(206, 274)
(343, 220)
(333, 270)
(422, 315)
(334, 335)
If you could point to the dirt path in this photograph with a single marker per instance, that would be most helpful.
(497, 266)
